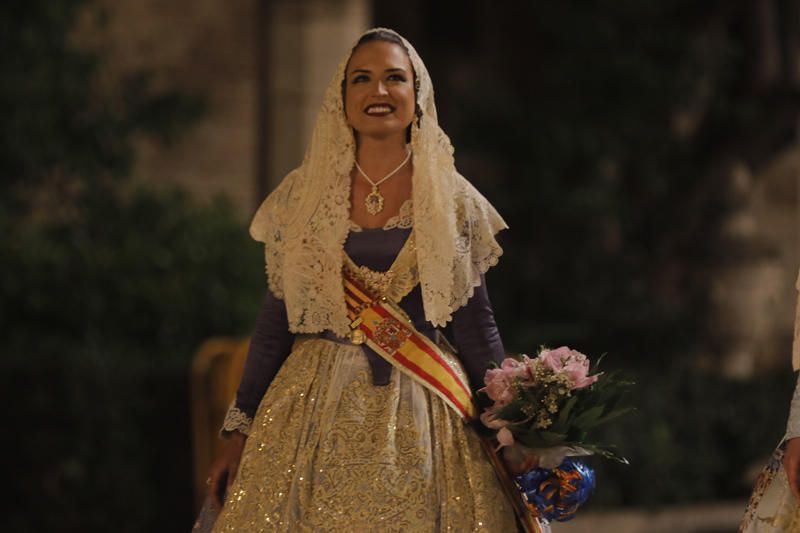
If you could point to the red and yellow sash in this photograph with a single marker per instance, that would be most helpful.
(380, 324)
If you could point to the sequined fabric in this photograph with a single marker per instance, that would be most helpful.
(330, 451)
(397, 281)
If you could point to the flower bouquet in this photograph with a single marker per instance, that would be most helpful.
(544, 408)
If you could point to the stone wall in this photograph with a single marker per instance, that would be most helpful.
(307, 41)
(211, 48)
(754, 292)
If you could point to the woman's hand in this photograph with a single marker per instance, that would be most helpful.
(225, 468)
(791, 463)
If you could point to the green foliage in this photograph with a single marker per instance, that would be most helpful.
(101, 317)
(106, 290)
(694, 437)
(571, 417)
(602, 130)
(568, 117)
(143, 269)
(58, 125)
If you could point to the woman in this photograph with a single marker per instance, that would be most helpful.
(773, 506)
(371, 244)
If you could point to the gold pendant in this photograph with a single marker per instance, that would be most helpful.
(374, 202)
(357, 337)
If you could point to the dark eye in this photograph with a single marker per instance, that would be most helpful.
(397, 77)
(359, 78)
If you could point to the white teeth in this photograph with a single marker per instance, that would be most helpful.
(378, 109)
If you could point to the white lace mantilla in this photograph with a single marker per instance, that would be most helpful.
(404, 219)
(305, 221)
(236, 420)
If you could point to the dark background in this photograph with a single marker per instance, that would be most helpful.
(562, 113)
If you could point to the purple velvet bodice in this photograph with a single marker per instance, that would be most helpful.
(474, 332)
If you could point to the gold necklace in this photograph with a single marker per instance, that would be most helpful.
(374, 200)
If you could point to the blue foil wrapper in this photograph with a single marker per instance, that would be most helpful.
(556, 494)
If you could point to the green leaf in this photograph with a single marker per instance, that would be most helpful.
(604, 451)
(588, 416)
(610, 416)
(594, 368)
(563, 416)
(551, 437)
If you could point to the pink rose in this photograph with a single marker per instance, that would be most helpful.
(489, 420)
(554, 359)
(517, 369)
(578, 371)
(500, 381)
(572, 363)
(504, 435)
(498, 387)
(530, 366)
(504, 438)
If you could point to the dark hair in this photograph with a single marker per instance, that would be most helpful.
(389, 37)
(380, 35)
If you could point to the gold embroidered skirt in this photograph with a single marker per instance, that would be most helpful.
(330, 451)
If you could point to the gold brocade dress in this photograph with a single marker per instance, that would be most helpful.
(330, 451)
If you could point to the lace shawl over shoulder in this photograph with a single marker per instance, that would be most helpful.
(305, 221)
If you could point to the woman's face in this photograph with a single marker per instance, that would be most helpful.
(379, 90)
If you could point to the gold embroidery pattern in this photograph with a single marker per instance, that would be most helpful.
(329, 451)
(376, 282)
(395, 283)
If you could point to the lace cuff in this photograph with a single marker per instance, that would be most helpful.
(793, 427)
(235, 420)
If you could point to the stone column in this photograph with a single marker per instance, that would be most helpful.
(754, 293)
(307, 39)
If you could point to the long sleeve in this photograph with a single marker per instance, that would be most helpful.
(269, 347)
(476, 336)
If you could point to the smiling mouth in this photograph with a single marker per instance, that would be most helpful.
(379, 110)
